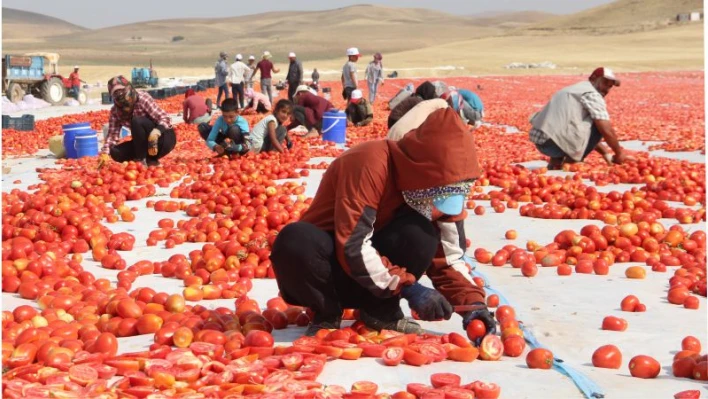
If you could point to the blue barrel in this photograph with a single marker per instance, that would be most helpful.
(70, 133)
(334, 126)
(86, 146)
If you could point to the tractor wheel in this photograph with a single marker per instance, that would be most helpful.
(82, 97)
(15, 92)
(53, 91)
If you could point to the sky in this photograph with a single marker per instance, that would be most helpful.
(102, 13)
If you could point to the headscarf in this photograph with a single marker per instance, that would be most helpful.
(423, 201)
(454, 99)
(377, 58)
(249, 92)
(122, 91)
(426, 91)
(189, 93)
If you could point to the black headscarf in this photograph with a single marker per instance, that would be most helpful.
(426, 91)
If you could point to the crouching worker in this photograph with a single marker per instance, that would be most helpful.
(359, 111)
(196, 110)
(257, 102)
(386, 213)
(229, 133)
(150, 127)
(467, 104)
(308, 111)
(574, 122)
(270, 134)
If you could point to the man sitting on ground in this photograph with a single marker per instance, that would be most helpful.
(359, 111)
(195, 109)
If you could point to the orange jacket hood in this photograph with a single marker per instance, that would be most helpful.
(439, 152)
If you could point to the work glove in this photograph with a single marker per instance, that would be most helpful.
(482, 314)
(153, 141)
(428, 303)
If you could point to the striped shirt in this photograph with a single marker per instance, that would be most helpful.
(594, 104)
(144, 106)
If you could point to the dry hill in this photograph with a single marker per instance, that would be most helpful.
(511, 19)
(623, 16)
(313, 35)
(24, 26)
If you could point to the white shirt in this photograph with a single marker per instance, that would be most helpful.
(259, 132)
(237, 72)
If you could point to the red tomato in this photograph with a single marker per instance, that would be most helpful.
(486, 390)
(692, 394)
(259, 338)
(414, 358)
(364, 387)
(83, 374)
(514, 346)
(607, 356)
(491, 348)
(629, 303)
(613, 323)
(504, 312)
(392, 356)
(644, 367)
(539, 358)
(691, 343)
(439, 380)
(476, 329)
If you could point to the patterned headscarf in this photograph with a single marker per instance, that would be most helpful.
(422, 200)
(123, 93)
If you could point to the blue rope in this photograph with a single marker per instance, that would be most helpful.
(587, 386)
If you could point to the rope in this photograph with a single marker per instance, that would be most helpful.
(588, 387)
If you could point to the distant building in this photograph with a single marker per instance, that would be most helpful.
(689, 17)
(695, 16)
(683, 17)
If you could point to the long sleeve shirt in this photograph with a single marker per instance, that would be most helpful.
(261, 98)
(295, 72)
(221, 72)
(144, 106)
(238, 72)
(374, 73)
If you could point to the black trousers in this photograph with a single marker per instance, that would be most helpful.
(136, 149)
(282, 135)
(237, 91)
(234, 133)
(347, 93)
(292, 86)
(308, 273)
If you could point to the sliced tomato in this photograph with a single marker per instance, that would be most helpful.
(83, 374)
(491, 348)
(417, 389)
(364, 387)
(123, 366)
(415, 358)
(484, 390)
(105, 372)
(372, 350)
(692, 394)
(392, 356)
(457, 393)
(434, 351)
(292, 361)
(439, 380)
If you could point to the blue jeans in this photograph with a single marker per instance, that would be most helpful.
(222, 89)
(551, 149)
(372, 92)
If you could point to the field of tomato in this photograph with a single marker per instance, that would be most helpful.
(125, 282)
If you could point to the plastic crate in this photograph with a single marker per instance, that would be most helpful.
(24, 122)
(181, 90)
(106, 98)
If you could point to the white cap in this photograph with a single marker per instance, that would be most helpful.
(353, 51)
(357, 94)
(251, 57)
(76, 67)
(239, 57)
(291, 55)
(313, 91)
(302, 88)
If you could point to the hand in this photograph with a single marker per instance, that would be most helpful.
(428, 303)
(621, 158)
(608, 158)
(219, 149)
(482, 314)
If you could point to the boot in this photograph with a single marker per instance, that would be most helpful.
(403, 325)
(322, 324)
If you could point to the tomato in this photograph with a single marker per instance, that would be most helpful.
(644, 367)
(364, 387)
(465, 354)
(414, 358)
(292, 361)
(392, 356)
(692, 394)
(700, 371)
(83, 374)
(259, 338)
(607, 356)
(613, 323)
(486, 390)
(476, 329)
(493, 301)
(683, 368)
(439, 380)
(504, 312)
(491, 348)
(629, 303)
(691, 343)
(417, 389)
(183, 337)
(539, 358)
(514, 346)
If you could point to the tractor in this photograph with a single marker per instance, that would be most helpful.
(37, 74)
(144, 77)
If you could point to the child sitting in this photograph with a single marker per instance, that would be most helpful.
(229, 133)
(269, 134)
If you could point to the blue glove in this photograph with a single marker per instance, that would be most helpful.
(428, 303)
(482, 314)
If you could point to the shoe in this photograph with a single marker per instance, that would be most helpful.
(404, 325)
(317, 325)
(210, 105)
(152, 162)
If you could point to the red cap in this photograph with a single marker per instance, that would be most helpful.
(606, 73)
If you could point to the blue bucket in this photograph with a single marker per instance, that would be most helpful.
(71, 131)
(86, 146)
(334, 126)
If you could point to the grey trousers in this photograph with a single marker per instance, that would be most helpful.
(266, 88)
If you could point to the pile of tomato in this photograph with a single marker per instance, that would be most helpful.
(66, 343)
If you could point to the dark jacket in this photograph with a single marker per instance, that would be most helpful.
(294, 72)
